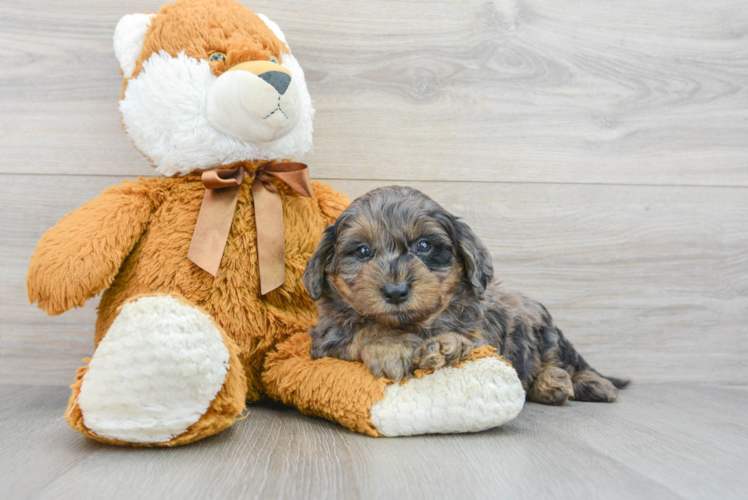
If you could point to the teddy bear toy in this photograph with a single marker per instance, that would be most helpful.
(203, 306)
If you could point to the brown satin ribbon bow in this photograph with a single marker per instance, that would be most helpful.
(217, 214)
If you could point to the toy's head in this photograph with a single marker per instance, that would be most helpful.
(210, 83)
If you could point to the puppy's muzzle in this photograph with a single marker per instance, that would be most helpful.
(396, 293)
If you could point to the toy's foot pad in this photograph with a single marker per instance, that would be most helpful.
(479, 395)
(155, 373)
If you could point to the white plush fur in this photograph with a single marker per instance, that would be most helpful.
(242, 105)
(129, 36)
(155, 373)
(165, 113)
(479, 395)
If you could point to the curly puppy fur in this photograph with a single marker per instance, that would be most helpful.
(402, 284)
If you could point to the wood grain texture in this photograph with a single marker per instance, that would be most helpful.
(605, 145)
(647, 282)
(658, 441)
(637, 92)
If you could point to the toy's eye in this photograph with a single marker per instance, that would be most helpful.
(217, 56)
(423, 246)
(363, 252)
(273, 59)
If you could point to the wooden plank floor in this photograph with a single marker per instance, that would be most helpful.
(659, 441)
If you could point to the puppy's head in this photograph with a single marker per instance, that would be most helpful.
(397, 257)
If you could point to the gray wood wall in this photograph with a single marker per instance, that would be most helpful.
(600, 149)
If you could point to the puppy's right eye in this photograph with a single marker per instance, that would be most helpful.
(363, 252)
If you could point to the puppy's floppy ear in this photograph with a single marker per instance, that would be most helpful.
(475, 256)
(314, 275)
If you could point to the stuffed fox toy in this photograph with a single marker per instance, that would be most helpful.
(200, 312)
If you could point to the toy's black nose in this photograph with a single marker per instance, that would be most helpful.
(279, 80)
(396, 293)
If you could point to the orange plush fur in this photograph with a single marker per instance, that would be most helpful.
(202, 27)
(133, 239)
(148, 224)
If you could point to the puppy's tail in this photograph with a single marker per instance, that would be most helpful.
(573, 358)
(619, 383)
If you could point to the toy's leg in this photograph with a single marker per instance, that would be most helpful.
(165, 374)
(481, 393)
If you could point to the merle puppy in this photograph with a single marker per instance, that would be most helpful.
(402, 284)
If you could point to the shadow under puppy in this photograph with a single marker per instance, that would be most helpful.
(402, 284)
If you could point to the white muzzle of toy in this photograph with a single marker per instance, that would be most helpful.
(256, 101)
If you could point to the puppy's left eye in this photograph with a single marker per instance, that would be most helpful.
(273, 59)
(423, 246)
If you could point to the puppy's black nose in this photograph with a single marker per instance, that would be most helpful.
(396, 293)
(279, 80)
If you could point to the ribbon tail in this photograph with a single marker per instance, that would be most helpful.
(270, 238)
(212, 228)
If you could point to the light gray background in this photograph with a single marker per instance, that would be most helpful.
(600, 149)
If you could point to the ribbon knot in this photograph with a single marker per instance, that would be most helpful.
(217, 214)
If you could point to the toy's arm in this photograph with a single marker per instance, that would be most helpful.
(480, 393)
(83, 252)
(341, 391)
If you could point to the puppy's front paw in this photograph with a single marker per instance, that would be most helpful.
(446, 349)
(389, 357)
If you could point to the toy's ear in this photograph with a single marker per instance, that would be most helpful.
(129, 36)
(274, 28)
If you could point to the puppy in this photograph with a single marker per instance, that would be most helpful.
(402, 284)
